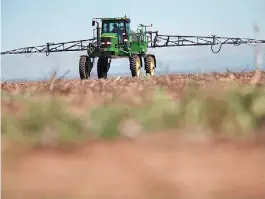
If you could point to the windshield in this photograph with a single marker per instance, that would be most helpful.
(113, 27)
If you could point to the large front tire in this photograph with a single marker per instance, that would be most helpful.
(150, 64)
(135, 65)
(103, 67)
(85, 67)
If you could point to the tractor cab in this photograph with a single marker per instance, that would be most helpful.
(115, 37)
(119, 26)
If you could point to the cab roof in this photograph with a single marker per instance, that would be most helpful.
(114, 18)
(128, 20)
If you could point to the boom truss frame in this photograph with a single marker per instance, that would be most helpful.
(156, 41)
(78, 45)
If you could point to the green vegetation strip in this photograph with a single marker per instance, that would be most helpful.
(236, 112)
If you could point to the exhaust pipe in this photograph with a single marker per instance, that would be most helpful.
(98, 32)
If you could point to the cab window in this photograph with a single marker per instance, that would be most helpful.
(112, 26)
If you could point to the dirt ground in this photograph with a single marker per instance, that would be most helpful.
(156, 166)
(161, 166)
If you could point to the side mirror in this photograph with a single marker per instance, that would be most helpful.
(93, 23)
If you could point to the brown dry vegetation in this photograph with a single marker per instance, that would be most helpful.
(201, 136)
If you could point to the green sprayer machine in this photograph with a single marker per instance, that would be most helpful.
(113, 38)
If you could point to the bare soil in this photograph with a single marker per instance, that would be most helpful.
(159, 165)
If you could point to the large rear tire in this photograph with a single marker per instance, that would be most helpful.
(150, 64)
(135, 65)
(85, 67)
(103, 67)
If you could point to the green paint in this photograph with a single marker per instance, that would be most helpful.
(115, 39)
(137, 40)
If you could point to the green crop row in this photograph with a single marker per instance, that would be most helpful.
(234, 112)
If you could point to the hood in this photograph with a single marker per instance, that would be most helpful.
(109, 35)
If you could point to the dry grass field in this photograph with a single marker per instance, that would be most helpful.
(198, 136)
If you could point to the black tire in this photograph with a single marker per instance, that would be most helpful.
(103, 67)
(135, 65)
(85, 67)
(150, 64)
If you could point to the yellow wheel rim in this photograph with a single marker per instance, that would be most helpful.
(152, 67)
(138, 66)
